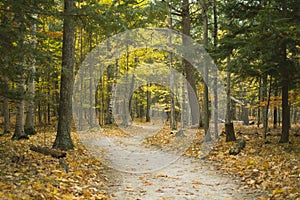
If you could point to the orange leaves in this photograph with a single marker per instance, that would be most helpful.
(41, 177)
(272, 168)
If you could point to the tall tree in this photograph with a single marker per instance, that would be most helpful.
(29, 123)
(19, 132)
(205, 42)
(6, 107)
(188, 68)
(229, 129)
(63, 138)
(20, 66)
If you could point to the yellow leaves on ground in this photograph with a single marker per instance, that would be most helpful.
(273, 168)
(37, 176)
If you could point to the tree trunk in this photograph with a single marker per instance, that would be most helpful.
(216, 108)
(63, 139)
(19, 128)
(275, 109)
(229, 129)
(267, 109)
(148, 103)
(259, 99)
(205, 97)
(245, 110)
(173, 124)
(91, 103)
(263, 100)
(29, 124)
(285, 112)
(6, 108)
(285, 87)
(47, 151)
(188, 68)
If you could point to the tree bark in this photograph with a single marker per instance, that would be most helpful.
(29, 124)
(63, 139)
(263, 100)
(173, 124)
(47, 151)
(205, 97)
(259, 99)
(188, 68)
(267, 109)
(285, 87)
(216, 108)
(19, 128)
(275, 108)
(229, 128)
(6, 108)
(148, 103)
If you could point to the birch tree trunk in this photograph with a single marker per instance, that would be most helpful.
(19, 128)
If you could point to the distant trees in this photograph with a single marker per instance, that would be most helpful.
(261, 38)
(264, 42)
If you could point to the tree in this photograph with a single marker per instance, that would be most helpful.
(6, 107)
(189, 70)
(63, 138)
(205, 99)
(29, 123)
(19, 132)
(229, 129)
(264, 37)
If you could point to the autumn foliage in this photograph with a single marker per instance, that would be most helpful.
(25, 174)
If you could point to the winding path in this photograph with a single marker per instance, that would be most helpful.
(146, 173)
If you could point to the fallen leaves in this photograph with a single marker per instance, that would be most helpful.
(37, 176)
(271, 168)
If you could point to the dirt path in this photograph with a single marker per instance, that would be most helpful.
(146, 173)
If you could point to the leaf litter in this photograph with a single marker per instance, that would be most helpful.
(263, 165)
(268, 167)
(25, 174)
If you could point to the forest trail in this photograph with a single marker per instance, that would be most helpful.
(139, 172)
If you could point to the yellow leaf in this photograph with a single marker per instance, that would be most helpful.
(277, 191)
(54, 191)
(251, 162)
(196, 182)
(86, 193)
(68, 196)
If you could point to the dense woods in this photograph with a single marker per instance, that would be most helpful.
(255, 45)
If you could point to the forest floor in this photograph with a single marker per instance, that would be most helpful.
(138, 166)
(25, 174)
(140, 171)
(263, 165)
